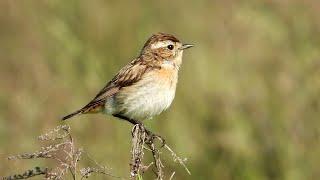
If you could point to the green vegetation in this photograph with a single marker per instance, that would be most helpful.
(248, 99)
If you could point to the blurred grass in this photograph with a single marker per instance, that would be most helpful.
(247, 103)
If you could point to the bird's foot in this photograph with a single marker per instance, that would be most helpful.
(150, 136)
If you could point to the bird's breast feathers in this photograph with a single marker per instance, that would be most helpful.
(148, 97)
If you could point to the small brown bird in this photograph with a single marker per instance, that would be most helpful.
(146, 86)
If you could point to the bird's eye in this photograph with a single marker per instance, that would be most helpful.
(170, 46)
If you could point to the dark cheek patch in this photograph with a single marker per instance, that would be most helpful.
(164, 53)
(167, 53)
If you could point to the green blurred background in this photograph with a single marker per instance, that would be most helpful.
(247, 102)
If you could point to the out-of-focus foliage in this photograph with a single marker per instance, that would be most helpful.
(247, 103)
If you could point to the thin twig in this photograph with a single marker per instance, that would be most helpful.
(171, 177)
(157, 160)
(99, 169)
(28, 174)
(177, 158)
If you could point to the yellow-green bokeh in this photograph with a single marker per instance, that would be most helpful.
(248, 100)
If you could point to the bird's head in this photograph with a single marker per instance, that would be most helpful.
(165, 47)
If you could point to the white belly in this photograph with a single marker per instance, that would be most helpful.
(144, 99)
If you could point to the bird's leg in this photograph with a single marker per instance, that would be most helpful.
(151, 135)
(132, 121)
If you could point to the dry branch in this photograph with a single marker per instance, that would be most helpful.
(143, 139)
(28, 174)
(66, 154)
(63, 151)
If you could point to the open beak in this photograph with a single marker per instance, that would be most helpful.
(186, 46)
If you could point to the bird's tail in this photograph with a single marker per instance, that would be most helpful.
(72, 114)
(92, 107)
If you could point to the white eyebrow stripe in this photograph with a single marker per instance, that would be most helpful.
(160, 44)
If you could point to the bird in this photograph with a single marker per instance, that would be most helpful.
(143, 88)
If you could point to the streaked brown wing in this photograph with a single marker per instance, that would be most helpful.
(128, 75)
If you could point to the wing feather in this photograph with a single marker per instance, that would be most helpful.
(127, 76)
